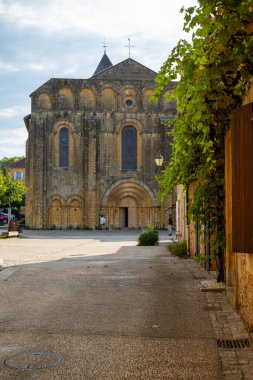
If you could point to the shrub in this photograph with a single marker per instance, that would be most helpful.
(149, 237)
(178, 249)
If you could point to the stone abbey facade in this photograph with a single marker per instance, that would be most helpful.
(91, 150)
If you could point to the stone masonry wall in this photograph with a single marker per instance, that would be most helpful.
(94, 111)
(245, 289)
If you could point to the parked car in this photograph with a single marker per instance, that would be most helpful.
(15, 214)
(6, 214)
(3, 218)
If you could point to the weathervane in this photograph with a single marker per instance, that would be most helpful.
(104, 45)
(129, 46)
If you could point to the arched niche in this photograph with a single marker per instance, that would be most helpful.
(87, 99)
(75, 213)
(108, 99)
(44, 101)
(147, 106)
(56, 213)
(65, 98)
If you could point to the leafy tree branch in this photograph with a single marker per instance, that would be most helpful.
(214, 70)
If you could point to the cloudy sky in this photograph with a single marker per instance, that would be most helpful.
(41, 39)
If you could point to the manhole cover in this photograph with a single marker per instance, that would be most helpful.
(29, 361)
(233, 343)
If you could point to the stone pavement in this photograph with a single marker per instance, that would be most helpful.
(234, 345)
(235, 349)
(114, 311)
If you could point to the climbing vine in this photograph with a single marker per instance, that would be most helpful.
(212, 72)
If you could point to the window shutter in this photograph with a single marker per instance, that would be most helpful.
(242, 179)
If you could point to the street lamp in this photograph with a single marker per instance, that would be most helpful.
(159, 162)
(159, 159)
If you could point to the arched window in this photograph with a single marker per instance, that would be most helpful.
(64, 147)
(129, 148)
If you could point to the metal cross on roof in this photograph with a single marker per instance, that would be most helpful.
(129, 46)
(104, 45)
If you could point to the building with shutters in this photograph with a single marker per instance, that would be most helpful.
(238, 212)
(239, 209)
(17, 170)
(91, 150)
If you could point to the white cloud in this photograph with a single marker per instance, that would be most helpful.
(15, 136)
(30, 66)
(36, 66)
(8, 66)
(70, 71)
(113, 18)
(13, 142)
(63, 38)
(11, 112)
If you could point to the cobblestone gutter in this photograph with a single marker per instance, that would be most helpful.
(237, 362)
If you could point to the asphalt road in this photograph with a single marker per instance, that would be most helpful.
(95, 306)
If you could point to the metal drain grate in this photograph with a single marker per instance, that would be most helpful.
(31, 361)
(233, 343)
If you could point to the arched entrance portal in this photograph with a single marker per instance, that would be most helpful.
(129, 205)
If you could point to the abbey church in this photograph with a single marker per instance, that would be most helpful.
(91, 150)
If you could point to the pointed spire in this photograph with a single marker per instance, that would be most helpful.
(105, 63)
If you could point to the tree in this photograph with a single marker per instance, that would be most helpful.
(11, 192)
(214, 70)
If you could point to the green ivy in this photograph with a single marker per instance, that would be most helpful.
(212, 72)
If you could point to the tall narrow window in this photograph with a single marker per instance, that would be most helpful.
(129, 148)
(64, 147)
